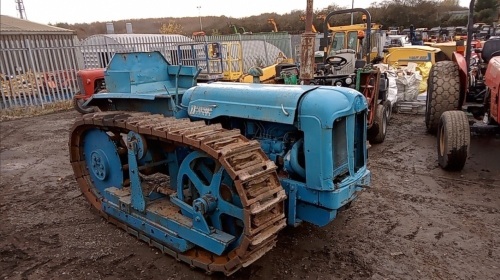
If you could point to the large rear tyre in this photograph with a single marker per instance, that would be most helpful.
(376, 134)
(443, 92)
(453, 140)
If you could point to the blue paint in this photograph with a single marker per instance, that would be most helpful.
(333, 167)
(138, 202)
(291, 163)
(315, 135)
(139, 73)
(217, 241)
(291, 204)
(156, 232)
(272, 103)
(105, 167)
(207, 183)
(144, 77)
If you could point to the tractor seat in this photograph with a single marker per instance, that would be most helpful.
(489, 48)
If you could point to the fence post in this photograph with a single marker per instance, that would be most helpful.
(289, 45)
(79, 53)
(265, 51)
(32, 68)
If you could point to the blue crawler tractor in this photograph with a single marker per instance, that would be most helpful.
(210, 173)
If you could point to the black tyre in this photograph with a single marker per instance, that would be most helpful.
(376, 133)
(388, 110)
(82, 109)
(443, 92)
(453, 140)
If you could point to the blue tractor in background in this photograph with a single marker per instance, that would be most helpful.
(210, 173)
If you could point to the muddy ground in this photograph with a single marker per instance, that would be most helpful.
(415, 222)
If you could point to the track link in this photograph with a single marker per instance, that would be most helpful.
(253, 173)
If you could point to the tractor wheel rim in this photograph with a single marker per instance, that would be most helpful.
(441, 141)
(208, 180)
(384, 123)
(102, 160)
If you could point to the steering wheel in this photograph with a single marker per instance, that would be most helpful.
(336, 61)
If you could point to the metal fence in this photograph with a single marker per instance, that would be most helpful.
(257, 49)
(40, 69)
(35, 70)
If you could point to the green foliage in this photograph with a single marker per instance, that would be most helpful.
(420, 13)
(487, 15)
(486, 4)
(456, 21)
(486, 10)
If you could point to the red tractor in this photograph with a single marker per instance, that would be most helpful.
(463, 96)
(90, 81)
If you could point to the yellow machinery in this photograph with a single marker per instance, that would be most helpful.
(232, 61)
(400, 56)
(313, 28)
(323, 17)
(446, 47)
(347, 37)
(275, 27)
(268, 73)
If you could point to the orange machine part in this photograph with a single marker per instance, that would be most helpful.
(492, 81)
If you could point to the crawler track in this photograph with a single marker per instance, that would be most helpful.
(253, 173)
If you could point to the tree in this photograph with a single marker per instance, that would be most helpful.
(487, 15)
(452, 3)
(171, 28)
(486, 4)
(486, 10)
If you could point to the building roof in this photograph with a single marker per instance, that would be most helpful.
(14, 26)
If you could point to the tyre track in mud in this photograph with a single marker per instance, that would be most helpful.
(446, 224)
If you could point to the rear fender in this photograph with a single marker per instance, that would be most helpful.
(459, 59)
(492, 81)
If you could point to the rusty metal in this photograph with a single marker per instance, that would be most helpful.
(254, 175)
(307, 42)
(470, 31)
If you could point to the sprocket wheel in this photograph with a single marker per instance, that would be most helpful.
(212, 191)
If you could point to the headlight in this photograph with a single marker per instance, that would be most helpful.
(338, 83)
(348, 81)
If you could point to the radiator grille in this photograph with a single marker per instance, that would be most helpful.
(348, 156)
(339, 147)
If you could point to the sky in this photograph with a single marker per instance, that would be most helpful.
(86, 11)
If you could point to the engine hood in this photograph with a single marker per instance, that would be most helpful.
(266, 102)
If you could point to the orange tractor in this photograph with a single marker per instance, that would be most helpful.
(90, 81)
(463, 97)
